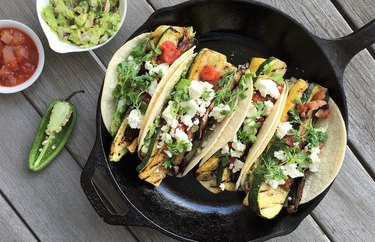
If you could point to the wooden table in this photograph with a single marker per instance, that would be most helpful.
(51, 206)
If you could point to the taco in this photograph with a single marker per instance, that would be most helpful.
(136, 73)
(303, 157)
(195, 107)
(220, 169)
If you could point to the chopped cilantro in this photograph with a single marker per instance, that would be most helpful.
(270, 169)
(195, 128)
(294, 117)
(167, 163)
(177, 147)
(315, 136)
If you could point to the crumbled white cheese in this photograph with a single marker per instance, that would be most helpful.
(186, 119)
(160, 145)
(160, 69)
(152, 87)
(222, 186)
(168, 153)
(253, 112)
(197, 88)
(135, 119)
(225, 149)
(149, 66)
(196, 121)
(267, 87)
(282, 129)
(291, 170)
(166, 137)
(216, 112)
(168, 115)
(269, 106)
(231, 166)
(164, 128)
(191, 106)
(237, 145)
(236, 153)
(314, 159)
(274, 183)
(279, 155)
(130, 58)
(183, 137)
(237, 165)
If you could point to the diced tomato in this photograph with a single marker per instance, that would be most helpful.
(169, 52)
(4, 71)
(18, 38)
(21, 53)
(281, 88)
(8, 55)
(258, 97)
(289, 140)
(322, 113)
(209, 74)
(182, 127)
(6, 37)
(27, 68)
(18, 57)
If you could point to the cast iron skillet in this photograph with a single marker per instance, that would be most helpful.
(181, 208)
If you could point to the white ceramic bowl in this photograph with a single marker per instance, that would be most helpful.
(14, 24)
(61, 47)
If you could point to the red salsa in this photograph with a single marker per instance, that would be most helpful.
(18, 57)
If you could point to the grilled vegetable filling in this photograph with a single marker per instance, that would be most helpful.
(293, 152)
(138, 77)
(202, 98)
(223, 169)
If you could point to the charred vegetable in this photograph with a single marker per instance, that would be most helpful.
(54, 131)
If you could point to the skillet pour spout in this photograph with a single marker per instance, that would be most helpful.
(180, 207)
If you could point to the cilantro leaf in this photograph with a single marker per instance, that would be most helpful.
(294, 117)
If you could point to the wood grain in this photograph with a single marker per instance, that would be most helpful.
(347, 212)
(11, 226)
(52, 201)
(359, 13)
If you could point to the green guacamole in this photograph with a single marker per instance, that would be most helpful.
(85, 23)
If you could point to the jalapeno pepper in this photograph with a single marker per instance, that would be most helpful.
(54, 131)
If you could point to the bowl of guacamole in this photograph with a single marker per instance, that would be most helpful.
(80, 25)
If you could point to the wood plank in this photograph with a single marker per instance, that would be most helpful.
(358, 12)
(138, 12)
(51, 202)
(11, 226)
(307, 231)
(347, 212)
(324, 20)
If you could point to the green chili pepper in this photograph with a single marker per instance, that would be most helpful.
(54, 131)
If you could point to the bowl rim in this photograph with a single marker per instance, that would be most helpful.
(61, 47)
(41, 57)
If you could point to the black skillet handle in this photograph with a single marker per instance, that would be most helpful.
(131, 218)
(342, 50)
